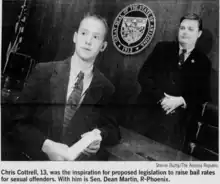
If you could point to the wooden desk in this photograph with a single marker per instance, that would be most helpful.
(135, 147)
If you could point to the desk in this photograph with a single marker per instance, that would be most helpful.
(136, 147)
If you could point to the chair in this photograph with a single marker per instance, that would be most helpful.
(204, 144)
(14, 77)
(17, 71)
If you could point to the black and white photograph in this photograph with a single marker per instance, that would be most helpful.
(110, 80)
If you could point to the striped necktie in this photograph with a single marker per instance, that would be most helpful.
(182, 57)
(73, 100)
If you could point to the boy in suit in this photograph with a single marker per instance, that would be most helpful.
(64, 100)
(175, 82)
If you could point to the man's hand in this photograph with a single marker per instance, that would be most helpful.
(170, 103)
(55, 151)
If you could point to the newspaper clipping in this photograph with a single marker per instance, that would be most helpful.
(109, 91)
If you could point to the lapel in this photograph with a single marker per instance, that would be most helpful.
(95, 90)
(191, 60)
(174, 70)
(58, 89)
(59, 81)
(173, 56)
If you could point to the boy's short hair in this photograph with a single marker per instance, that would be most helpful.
(193, 16)
(100, 18)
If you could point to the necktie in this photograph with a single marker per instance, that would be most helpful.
(73, 101)
(181, 57)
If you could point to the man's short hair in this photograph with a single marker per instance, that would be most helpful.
(193, 16)
(100, 18)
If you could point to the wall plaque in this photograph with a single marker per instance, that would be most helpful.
(133, 28)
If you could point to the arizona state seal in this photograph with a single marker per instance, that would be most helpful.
(133, 28)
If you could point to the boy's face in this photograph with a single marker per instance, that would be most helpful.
(189, 32)
(89, 39)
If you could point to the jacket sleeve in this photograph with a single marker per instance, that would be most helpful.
(107, 123)
(26, 135)
(146, 76)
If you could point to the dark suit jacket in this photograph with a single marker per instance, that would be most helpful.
(42, 106)
(159, 74)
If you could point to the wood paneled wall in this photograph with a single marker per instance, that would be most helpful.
(51, 24)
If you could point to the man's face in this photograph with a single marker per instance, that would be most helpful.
(89, 39)
(189, 32)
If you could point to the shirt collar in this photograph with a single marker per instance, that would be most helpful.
(76, 67)
(187, 50)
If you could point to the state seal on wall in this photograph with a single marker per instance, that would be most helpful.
(133, 28)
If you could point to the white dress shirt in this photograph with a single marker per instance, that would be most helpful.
(188, 52)
(75, 68)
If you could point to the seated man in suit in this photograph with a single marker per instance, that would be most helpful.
(175, 82)
(64, 100)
